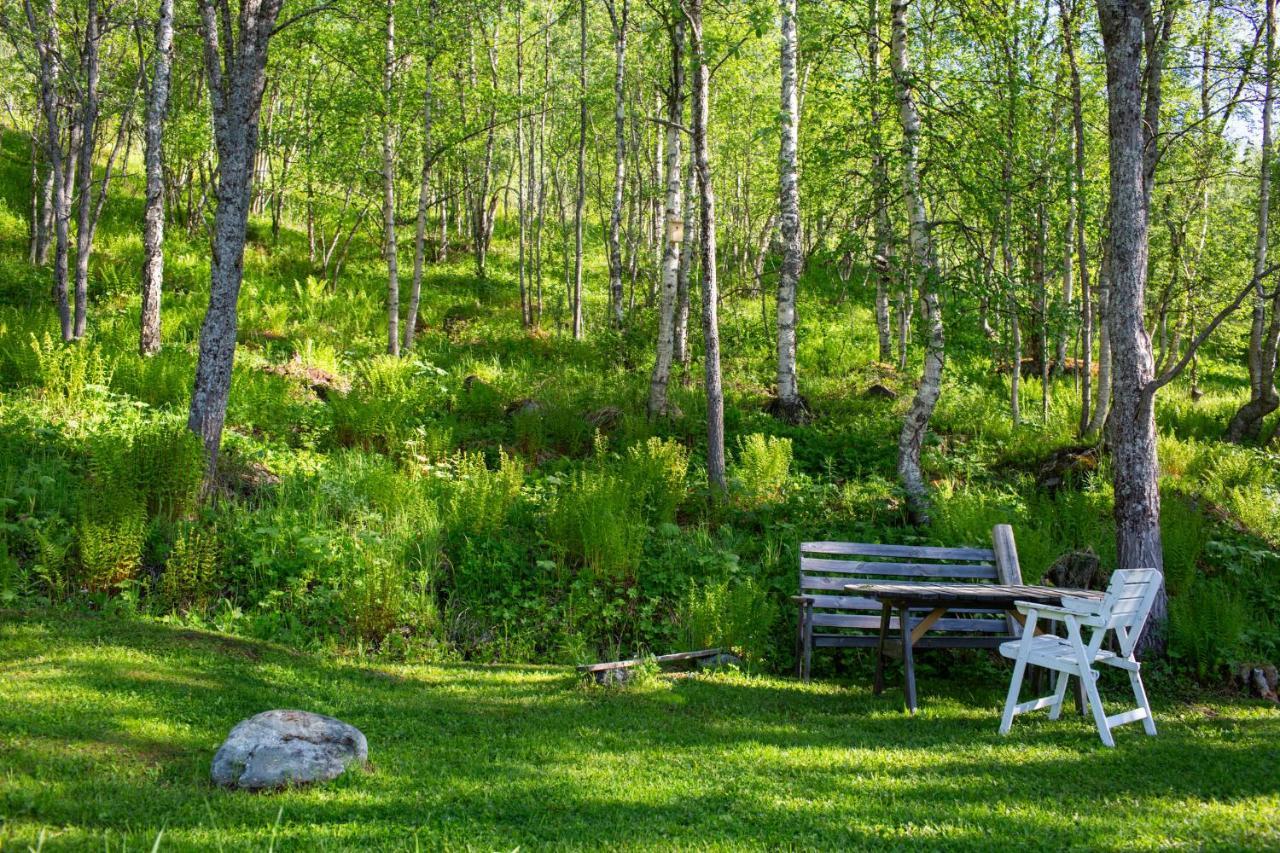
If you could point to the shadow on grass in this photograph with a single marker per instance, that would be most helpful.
(116, 722)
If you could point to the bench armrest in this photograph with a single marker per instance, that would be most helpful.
(802, 599)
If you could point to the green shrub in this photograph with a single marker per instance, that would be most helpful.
(1184, 534)
(595, 524)
(656, 472)
(764, 465)
(191, 570)
(389, 398)
(1205, 626)
(734, 613)
(110, 536)
(480, 499)
(67, 373)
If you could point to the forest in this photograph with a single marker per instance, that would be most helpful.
(464, 406)
(542, 332)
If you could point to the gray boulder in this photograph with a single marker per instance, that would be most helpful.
(278, 748)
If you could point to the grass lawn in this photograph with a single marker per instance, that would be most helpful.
(107, 728)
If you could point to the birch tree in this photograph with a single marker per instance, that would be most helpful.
(153, 217)
(924, 272)
(235, 55)
(789, 403)
(710, 290)
(668, 295)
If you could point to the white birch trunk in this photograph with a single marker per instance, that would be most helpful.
(924, 267)
(153, 224)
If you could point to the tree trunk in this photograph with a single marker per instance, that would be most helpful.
(49, 54)
(526, 312)
(680, 349)
(389, 183)
(883, 259)
(580, 199)
(1263, 397)
(237, 74)
(618, 12)
(790, 404)
(1133, 434)
(424, 203)
(1085, 367)
(710, 291)
(88, 139)
(924, 267)
(153, 226)
(668, 296)
(1102, 405)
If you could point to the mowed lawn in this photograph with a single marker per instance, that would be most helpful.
(107, 728)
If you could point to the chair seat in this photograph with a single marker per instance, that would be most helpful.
(1051, 652)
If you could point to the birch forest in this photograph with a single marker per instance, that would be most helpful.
(546, 330)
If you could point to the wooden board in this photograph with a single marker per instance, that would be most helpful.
(627, 664)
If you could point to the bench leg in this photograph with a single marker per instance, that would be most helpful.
(908, 666)
(808, 642)
(886, 612)
(800, 642)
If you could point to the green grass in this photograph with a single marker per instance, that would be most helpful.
(108, 726)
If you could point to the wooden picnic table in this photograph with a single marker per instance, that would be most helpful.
(938, 599)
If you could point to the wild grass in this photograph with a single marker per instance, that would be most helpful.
(110, 724)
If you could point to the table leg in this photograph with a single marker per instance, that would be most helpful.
(908, 667)
(886, 611)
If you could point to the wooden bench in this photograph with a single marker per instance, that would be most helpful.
(832, 619)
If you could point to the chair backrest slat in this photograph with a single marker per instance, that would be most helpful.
(1129, 599)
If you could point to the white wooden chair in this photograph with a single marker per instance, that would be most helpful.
(1124, 610)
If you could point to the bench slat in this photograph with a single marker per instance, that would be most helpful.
(840, 620)
(984, 571)
(839, 583)
(928, 552)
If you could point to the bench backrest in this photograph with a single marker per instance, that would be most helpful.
(826, 567)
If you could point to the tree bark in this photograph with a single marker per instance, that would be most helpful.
(47, 49)
(790, 404)
(235, 63)
(1106, 368)
(924, 268)
(580, 198)
(710, 290)
(681, 352)
(389, 182)
(1246, 423)
(424, 203)
(883, 259)
(618, 13)
(88, 139)
(668, 295)
(153, 224)
(1133, 434)
(1085, 367)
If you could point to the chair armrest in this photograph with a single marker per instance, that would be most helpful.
(1082, 606)
(1048, 611)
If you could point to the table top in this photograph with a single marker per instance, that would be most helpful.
(959, 594)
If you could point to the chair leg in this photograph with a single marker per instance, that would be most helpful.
(1011, 701)
(1140, 694)
(1059, 695)
(1090, 678)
